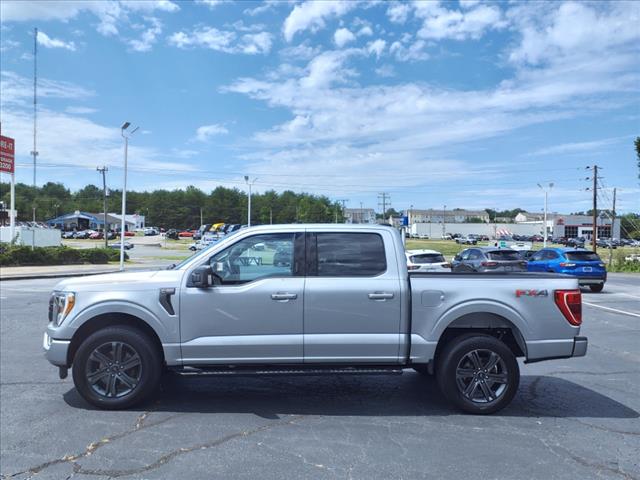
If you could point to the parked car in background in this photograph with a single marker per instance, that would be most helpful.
(577, 242)
(586, 265)
(526, 254)
(488, 259)
(83, 234)
(96, 236)
(172, 234)
(127, 245)
(186, 234)
(68, 235)
(468, 240)
(151, 231)
(426, 261)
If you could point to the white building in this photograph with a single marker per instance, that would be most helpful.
(359, 215)
(449, 216)
(136, 220)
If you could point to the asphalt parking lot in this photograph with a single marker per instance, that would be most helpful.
(575, 418)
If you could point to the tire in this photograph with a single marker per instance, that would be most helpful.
(597, 288)
(459, 369)
(124, 365)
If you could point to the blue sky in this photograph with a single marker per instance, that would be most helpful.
(468, 104)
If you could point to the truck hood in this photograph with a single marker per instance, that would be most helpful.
(138, 280)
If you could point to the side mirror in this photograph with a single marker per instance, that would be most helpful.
(200, 277)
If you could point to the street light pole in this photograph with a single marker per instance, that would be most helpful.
(249, 183)
(544, 230)
(125, 125)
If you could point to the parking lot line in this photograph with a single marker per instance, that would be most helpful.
(623, 312)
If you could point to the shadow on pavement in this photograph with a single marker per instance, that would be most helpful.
(408, 395)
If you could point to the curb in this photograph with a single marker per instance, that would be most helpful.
(34, 276)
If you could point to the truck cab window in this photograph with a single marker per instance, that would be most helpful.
(350, 255)
(252, 258)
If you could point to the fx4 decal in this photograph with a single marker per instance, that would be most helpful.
(531, 293)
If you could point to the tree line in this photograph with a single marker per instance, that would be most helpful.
(179, 208)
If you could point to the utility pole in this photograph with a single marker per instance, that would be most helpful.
(385, 201)
(594, 236)
(270, 216)
(103, 171)
(249, 183)
(613, 223)
(343, 201)
(201, 222)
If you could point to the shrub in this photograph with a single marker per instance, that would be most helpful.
(15, 255)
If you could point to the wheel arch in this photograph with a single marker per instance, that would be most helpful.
(111, 319)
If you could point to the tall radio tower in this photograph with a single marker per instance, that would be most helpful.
(34, 152)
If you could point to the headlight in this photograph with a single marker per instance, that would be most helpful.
(60, 305)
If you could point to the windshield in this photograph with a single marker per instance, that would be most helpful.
(427, 258)
(503, 255)
(583, 256)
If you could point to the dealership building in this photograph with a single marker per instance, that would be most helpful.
(84, 220)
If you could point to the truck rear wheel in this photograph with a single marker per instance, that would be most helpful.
(478, 373)
(116, 367)
(597, 288)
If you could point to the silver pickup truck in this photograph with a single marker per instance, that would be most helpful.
(309, 299)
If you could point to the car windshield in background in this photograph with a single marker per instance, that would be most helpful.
(583, 256)
(427, 258)
(504, 255)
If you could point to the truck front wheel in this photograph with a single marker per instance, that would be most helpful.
(478, 373)
(116, 367)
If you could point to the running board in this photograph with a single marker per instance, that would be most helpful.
(281, 370)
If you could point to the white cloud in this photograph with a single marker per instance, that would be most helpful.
(223, 41)
(211, 3)
(80, 110)
(109, 13)
(578, 147)
(312, 14)
(64, 138)
(48, 42)
(342, 36)
(574, 31)
(442, 23)
(18, 90)
(148, 37)
(398, 12)
(8, 45)
(376, 47)
(386, 71)
(206, 132)
(365, 31)
(337, 125)
(409, 53)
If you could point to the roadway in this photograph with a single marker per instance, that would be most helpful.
(574, 418)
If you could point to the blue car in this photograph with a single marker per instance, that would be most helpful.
(578, 262)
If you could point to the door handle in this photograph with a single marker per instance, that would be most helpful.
(284, 296)
(380, 296)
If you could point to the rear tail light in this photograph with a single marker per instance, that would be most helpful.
(567, 264)
(489, 264)
(570, 304)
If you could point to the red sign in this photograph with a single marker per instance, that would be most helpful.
(7, 154)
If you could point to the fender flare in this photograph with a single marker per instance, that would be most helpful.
(475, 307)
(123, 307)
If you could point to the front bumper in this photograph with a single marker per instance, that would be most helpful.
(56, 350)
